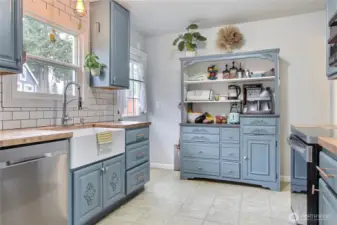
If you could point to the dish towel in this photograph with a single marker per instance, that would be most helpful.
(104, 137)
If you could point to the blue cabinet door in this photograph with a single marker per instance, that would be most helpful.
(120, 46)
(259, 157)
(327, 205)
(113, 180)
(87, 193)
(11, 35)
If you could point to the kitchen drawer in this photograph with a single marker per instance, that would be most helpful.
(328, 170)
(201, 166)
(201, 130)
(230, 134)
(137, 154)
(327, 204)
(137, 135)
(137, 177)
(200, 138)
(258, 121)
(206, 151)
(259, 130)
(230, 169)
(230, 151)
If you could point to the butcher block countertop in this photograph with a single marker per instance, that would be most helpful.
(10, 138)
(328, 143)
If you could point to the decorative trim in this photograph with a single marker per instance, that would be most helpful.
(162, 166)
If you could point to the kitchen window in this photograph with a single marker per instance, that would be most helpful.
(51, 62)
(132, 102)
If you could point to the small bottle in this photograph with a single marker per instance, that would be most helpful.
(233, 71)
(241, 72)
(226, 73)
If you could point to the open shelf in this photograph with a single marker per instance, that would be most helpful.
(226, 101)
(236, 80)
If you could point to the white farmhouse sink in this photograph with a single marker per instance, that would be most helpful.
(84, 148)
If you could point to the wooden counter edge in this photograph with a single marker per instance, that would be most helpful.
(34, 139)
(328, 143)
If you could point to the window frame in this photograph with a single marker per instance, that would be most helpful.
(14, 98)
(140, 57)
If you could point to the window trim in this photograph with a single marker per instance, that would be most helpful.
(13, 98)
(140, 57)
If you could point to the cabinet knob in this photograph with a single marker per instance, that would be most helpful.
(103, 170)
(199, 168)
(230, 171)
(245, 157)
(200, 152)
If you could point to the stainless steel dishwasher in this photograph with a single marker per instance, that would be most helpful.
(34, 184)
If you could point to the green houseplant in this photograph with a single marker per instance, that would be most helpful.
(92, 64)
(188, 41)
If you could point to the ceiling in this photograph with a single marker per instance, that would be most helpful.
(154, 17)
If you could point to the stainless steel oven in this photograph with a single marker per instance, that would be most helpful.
(304, 176)
(34, 184)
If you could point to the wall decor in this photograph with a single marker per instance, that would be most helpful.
(189, 40)
(229, 37)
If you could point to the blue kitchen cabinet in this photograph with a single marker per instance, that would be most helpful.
(259, 157)
(113, 180)
(87, 193)
(327, 205)
(11, 44)
(110, 41)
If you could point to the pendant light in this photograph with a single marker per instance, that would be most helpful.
(80, 8)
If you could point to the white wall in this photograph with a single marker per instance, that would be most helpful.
(305, 92)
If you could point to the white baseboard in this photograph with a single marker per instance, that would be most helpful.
(162, 166)
(285, 178)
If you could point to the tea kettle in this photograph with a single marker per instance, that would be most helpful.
(233, 92)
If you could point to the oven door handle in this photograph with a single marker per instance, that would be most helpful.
(300, 147)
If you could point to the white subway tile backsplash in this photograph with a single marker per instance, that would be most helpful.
(20, 115)
(49, 114)
(28, 123)
(6, 116)
(99, 106)
(36, 115)
(12, 124)
(43, 122)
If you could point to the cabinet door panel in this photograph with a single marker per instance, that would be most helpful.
(327, 205)
(298, 169)
(11, 34)
(87, 193)
(259, 157)
(120, 46)
(113, 180)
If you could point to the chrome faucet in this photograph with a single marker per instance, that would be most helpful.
(65, 116)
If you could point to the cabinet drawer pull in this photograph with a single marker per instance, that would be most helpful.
(230, 154)
(259, 122)
(230, 171)
(200, 152)
(140, 178)
(245, 157)
(200, 130)
(140, 135)
(98, 27)
(199, 168)
(103, 170)
(323, 173)
(313, 189)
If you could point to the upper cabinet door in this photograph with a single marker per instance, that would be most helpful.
(11, 35)
(259, 157)
(113, 180)
(120, 46)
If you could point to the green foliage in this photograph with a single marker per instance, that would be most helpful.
(92, 61)
(189, 39)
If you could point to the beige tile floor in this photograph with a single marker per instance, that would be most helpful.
(167, 200)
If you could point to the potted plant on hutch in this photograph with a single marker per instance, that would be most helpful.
(92, 64)
(188, 41)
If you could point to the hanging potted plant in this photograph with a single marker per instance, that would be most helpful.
(92, 64)
(188, 41)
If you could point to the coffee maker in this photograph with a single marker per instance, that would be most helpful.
(257, 99)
